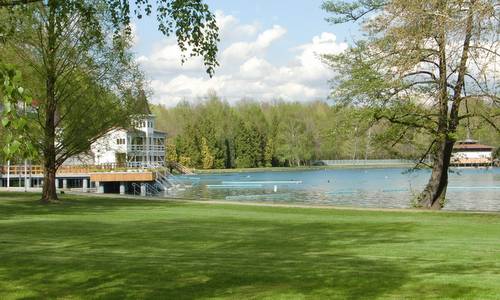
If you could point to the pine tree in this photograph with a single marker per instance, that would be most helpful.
(207, 157)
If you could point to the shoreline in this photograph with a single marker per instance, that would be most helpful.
(261, 204)
(313, 168)
(305, 168)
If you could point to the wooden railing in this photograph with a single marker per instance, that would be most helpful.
(180, 168)
(38, 170)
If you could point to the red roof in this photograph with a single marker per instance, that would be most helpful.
(474, 146)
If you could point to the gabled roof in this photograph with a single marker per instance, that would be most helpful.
(469, 145)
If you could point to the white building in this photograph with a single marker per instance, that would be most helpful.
(470, 152)
(140, 146)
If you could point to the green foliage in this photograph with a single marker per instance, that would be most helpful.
(247, 146)
(249, 134)
(417, 65)
(345, 11)
(207, 158)
(192, 22)
(269, 152)
(94, 84)
(14, 115)
(171, 150)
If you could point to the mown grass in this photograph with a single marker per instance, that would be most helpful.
(103, 248)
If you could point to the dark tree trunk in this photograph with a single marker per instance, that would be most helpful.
(49, 193)
(433, 196)
(49, 150)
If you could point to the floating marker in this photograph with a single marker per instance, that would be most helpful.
(258, 197)
(475, 187)
(394, 190)
(223, 186)
(263, 182)
(341, 192)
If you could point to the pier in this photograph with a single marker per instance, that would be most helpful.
(110, 178)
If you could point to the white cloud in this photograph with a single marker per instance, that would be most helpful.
(231, 28)
(247, 69)
(239, 51)
(256, 68)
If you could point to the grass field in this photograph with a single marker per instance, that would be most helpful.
(104, 248)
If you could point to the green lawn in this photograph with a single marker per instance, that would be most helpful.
(103, 248)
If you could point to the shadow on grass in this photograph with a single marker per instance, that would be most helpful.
(28, 204)
(174, 260)
(184, 255)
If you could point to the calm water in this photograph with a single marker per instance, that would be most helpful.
(469, 189)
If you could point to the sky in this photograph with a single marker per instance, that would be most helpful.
(269, 50)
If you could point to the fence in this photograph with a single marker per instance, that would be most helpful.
(38, 170)
(350, 162)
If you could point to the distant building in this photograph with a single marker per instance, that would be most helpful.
(139, 146)
(470, 153)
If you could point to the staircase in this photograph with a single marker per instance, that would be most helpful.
(180, 168)
(151, 189)
(166, 182)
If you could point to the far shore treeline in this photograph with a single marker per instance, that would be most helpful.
(213, 134)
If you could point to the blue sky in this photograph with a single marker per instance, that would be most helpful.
(268, 51)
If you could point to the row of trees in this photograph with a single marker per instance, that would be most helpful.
(215, 134)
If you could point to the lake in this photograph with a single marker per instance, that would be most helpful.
(469, 189)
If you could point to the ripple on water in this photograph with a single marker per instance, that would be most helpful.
(469, 189)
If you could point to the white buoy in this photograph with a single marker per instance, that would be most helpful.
(275, 188)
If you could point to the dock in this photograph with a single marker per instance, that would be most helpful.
(101, 179)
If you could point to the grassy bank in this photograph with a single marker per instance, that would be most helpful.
(90, 247)
(304, 168)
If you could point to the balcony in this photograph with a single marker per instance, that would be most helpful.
(144, 148)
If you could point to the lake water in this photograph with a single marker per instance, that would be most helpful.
(469, 189)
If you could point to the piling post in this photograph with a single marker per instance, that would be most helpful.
(122, 188)
(85, 184)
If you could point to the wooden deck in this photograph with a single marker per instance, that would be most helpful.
(122, 177)
(96, 173)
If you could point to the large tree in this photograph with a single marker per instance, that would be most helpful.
(418, 64)
(78, 50)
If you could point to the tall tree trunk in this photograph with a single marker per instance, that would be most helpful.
(49, 193)
(49, 150)
(434, 193)
(433, 196)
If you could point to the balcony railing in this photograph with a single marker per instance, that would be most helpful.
(134, 148)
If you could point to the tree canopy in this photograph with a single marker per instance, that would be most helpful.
(419, 65)
(75, 59)
(252, 134)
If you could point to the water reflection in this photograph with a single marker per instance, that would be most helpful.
(469, 189)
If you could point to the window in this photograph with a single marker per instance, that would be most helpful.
(120, 141)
